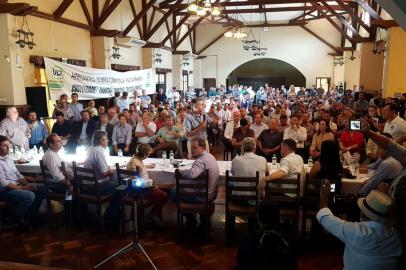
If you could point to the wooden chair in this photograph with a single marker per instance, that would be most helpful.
(288, 198)
(86, 179)
(237, 204)
(196, 189)
(310, 201)
(54, 196)
(130, 200)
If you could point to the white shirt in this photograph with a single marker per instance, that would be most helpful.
(292, 164)
(229, 130)
(97, 158)
(228, 116)
(396, 127)
(248, 164)
(123, 103)
(140, 128)
(258, 129)
(53, 162)
(299, 136)
(369, 245)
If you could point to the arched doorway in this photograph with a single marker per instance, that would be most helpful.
(272, 71)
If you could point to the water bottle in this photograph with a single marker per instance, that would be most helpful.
(356, 168)
(310, 162)
(171, 157)
(23, 152)
(274, 160)
(120, 153)
(68, 195)
(41, 151)
(164, 158)
(352, 164)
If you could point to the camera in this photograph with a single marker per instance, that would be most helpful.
(355, 125)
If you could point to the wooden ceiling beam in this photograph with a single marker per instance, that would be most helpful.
(369, 9)
(168, 30)
(385, 24)
(138, 17)
(105, 33)
(13, 7)
(95, 8)
(354, 15)
(105, 6)
(341, 19)
(106, 13)
(162, 20)
(25, 12)
(176, 26)
(62, 8)
(320, 39)
(193, 27)
(252, 3)
(50, 17)
(151, 20)
(134, 12)
(87, 13)
(275, 9)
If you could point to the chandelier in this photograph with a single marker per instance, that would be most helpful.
(25, 38)
(202, 7)
(158, 56)
(237, 34)
(116, 50)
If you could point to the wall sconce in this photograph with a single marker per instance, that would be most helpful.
(158, 56)
(338, 61)
(25, 38)
(185, 62)
(116, 52)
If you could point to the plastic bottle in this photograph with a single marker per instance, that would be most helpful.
(310, 162)
(171, 157)
(356, 168)
(164, 158)
(120, 153)
(274, 160)
(41, 151)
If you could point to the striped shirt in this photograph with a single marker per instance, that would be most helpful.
(121, 134)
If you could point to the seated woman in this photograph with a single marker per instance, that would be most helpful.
(350, 141)
(157, 196)
(322, 135)
(329, 165)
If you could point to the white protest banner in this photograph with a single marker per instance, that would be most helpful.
(91, 83)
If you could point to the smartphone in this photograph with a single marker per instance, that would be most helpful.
(355, 125)
(332, 187)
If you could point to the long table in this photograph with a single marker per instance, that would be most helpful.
(163, 173)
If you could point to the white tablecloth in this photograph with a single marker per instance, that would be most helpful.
(163, 173)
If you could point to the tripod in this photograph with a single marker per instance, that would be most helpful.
(134, 245)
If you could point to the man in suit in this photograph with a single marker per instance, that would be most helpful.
(104, 125)
(82, 131)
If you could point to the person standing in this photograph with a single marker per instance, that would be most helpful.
(39, 132)
(123, 102)
(371, 244)
(76, 108)
(15, 129)
(298, 134)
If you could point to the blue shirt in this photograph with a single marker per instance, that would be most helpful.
(384, 169)
(38, 132)
(369, 245)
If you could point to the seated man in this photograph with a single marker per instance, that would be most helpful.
(239, 134)
(104, 125)
(59, 181)
(145, 129)
(167, 137)
(386, 168)
(258, 125)
(291, 164)
(203, 161)
(62, 127)
(370, 244)
(83, 130)
(15, 189)
(97, 158)
(269, 141)
(121, 136)
(229, 130)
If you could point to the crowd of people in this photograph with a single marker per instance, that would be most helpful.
(291, 126)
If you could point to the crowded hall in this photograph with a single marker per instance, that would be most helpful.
(203, 134)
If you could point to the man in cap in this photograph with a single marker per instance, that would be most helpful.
(370, 244)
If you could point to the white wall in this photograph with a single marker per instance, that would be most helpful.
(290, 44)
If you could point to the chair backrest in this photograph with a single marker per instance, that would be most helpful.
(46, 175)
(242, 188)
(122, 174)
(193, 189)
(284, 190)
(85, 176)
(311, 193)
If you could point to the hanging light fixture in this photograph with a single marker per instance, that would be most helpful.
(158, 56)
(202, 7)
(25, 38)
